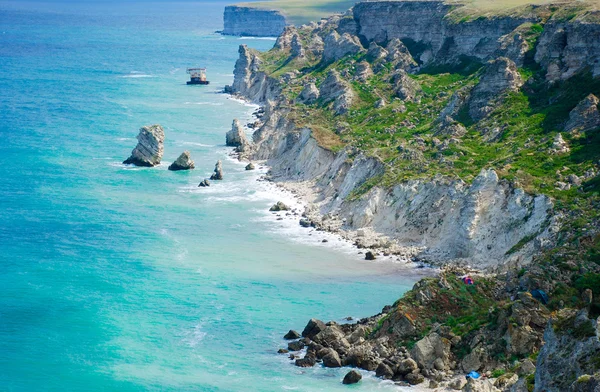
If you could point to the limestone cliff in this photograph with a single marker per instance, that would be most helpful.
(248, 21)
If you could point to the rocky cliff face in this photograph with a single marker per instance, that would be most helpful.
(248, 21)
(426, 22)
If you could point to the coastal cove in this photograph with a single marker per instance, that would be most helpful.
(123, 278)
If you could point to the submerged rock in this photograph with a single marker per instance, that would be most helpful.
(585, 116)
(218, 174)
(149, 150)
(352, 377)
(184, 162)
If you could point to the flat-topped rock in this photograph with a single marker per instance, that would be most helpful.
(149, 150)
(184, 162)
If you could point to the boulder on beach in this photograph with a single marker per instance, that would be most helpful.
(218, 174)
(204, 182)
(279, 206)
(149, 150)
(184, 162)
(250, 166)
(370, 256)
(352, 377)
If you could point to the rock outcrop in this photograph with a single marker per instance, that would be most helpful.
(236, 137)
(572, 344)
(499, 78)
(405, 88)
(399, 56)
(337, 46)
(251, 21)
(363, 71)
(567, 47)
(218, 173)
(149, 150)
(309, 94)
(585, 116)
(183, 162)
(335, 89)
(250, 82)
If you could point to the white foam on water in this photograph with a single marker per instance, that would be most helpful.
(135, 75)
(204, 103)
(259, 38)
(193, 144)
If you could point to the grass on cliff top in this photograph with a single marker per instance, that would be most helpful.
(300, 12)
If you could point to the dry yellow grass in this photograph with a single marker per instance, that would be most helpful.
(304, 11)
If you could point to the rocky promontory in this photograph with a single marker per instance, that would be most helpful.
(249, 21)
(149, 150)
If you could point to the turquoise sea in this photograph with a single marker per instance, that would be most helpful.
(115, 278)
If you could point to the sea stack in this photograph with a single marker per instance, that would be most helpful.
(184, 162)
(149, 150)
(218, 174)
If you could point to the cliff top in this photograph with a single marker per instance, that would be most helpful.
(300, 12)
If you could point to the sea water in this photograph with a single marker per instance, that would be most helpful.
(120, 278)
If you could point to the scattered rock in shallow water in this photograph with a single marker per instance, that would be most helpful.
(324, 241)
(204, 182)
(332, 359)
(250, 166)
(307, 361)
(149, 150)
(370, 256)
(218, 174)
(313, 327)
(184, 162)
(282, 351)
(279, 206)
(352, 377)
(305, 222)
(296, 345)
(292, 335)
(384, 371)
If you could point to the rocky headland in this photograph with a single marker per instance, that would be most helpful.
(468, 140)
(249, 21)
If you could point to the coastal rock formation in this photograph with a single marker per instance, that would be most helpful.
(183, 162)
(500, 77)
(337, 46)
(376, 52)
(250, 166)
(585, 116)
(249, 21)
(149, 150)
(204, 183)
(236, 137)
(218, 174)
(309, 94)
(279, 206)
(250, 82)
(335, 89)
